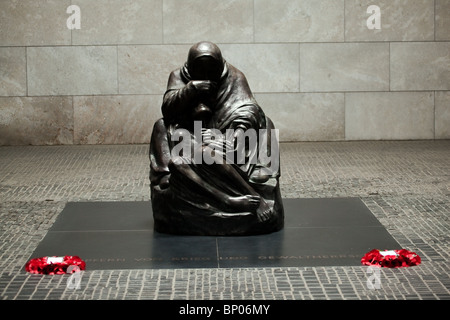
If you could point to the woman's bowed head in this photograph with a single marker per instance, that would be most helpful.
(200, 75)
(214, 153)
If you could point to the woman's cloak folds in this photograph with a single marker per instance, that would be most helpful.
(178, 206)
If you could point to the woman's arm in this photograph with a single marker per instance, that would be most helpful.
(178, 101)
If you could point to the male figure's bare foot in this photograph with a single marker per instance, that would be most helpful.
(263, 212)
(243, 203)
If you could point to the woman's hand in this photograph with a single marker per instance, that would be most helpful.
(201, 87)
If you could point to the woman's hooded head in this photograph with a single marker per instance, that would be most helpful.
(205, 62)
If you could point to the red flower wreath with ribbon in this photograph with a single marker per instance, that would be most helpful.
(55, 265)
(391, 258)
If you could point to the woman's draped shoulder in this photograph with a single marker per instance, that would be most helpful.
(236, 105)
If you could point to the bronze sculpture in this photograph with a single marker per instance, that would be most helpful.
(214, 158)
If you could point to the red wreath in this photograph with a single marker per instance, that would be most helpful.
(45, 265)
(391, 258)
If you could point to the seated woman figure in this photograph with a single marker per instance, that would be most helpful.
(207, 99)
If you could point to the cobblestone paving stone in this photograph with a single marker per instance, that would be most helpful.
(405, 184)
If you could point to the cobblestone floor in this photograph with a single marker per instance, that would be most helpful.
(405, 184)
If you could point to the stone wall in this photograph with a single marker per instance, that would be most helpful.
(315, 67)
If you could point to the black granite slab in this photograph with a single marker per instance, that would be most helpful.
(119, 235)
